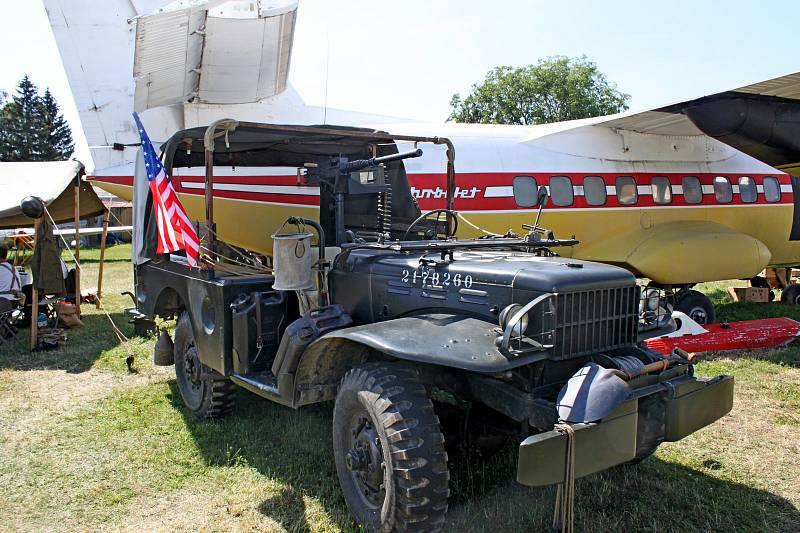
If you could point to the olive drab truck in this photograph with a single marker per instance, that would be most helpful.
(375, 306)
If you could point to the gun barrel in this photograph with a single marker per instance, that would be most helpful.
(358, 164)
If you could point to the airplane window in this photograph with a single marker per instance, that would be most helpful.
(626, 190)
(772, 189)
(747, 189)
(723, 190)
(594, 190)
(692, 190)
(561, 190)
(525, 191)
(662, 191)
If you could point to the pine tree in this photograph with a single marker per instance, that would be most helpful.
(22, 124)
(31, 127)
(59, 145)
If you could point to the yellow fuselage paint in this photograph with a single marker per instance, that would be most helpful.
(670, 245)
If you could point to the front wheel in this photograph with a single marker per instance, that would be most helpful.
(389, 450)
(203, 395)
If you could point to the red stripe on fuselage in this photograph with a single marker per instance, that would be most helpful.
(430, 189)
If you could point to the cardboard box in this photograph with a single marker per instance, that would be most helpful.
(749, 294)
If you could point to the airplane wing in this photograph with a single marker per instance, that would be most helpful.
(761, 120)
(83, 232)
(68, 231)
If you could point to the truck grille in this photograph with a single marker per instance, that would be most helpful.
(592, 321)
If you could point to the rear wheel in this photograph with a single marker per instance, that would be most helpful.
(697, 306)
(389, 450)
(204, 395)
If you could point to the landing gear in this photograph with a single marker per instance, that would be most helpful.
(791, 294)
(389, 450)
(204, 395)
(696, 305)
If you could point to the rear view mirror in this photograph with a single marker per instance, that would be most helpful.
(526, 191)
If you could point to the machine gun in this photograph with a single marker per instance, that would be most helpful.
(336, 174)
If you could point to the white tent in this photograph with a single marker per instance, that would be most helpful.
(52, 181)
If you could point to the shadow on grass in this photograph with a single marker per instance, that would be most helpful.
(83, 347)
(656, 495)
(294, 449)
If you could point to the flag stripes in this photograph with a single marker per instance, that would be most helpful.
(175, 230)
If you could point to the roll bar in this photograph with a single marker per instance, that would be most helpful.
(225, 126)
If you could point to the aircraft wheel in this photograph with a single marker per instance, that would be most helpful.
(791, 295)
(697, 306)
(762, 283)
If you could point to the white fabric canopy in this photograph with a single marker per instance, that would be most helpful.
(53, 182)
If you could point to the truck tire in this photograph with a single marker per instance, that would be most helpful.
(389, 450)
(203, 395)
(697, 306)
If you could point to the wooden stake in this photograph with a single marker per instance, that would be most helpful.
(102, 257)
(35, 298)
(77, 246)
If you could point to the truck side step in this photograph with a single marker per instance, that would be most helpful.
(262, 383)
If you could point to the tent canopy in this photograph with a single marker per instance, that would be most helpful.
(53, 182)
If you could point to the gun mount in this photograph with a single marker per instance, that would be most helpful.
(337, 175)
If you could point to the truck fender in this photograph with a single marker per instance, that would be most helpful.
(441, 339)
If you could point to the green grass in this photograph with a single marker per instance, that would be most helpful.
(115, 253)
(84, 445)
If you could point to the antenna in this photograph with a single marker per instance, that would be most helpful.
(327, 65)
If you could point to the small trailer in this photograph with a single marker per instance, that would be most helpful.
(376, 306)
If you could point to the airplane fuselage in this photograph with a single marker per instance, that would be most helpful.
(705, 212)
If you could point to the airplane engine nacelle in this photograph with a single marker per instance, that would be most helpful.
(692, 251)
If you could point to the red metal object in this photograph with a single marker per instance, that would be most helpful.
(744, 335)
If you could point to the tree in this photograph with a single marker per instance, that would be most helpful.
(555, 89)
(59, 146)
(31, 127)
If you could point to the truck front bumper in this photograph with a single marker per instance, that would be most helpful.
(664, 412)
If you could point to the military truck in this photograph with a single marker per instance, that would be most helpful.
(395, 320)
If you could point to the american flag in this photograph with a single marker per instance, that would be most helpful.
(175, 230)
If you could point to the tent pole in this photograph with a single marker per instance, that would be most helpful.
(102, 256)
(35, 296)
(77, 246)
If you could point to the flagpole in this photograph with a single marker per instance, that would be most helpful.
(209, 198)
(225, 125)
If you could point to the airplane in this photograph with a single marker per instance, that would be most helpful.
(694, 191)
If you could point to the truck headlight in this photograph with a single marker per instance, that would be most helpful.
(507, 314)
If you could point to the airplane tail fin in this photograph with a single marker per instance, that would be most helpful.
(95, 40)
(121, 55)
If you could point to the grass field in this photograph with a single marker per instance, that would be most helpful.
(85, 445)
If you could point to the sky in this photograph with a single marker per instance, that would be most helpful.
(408, 58)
